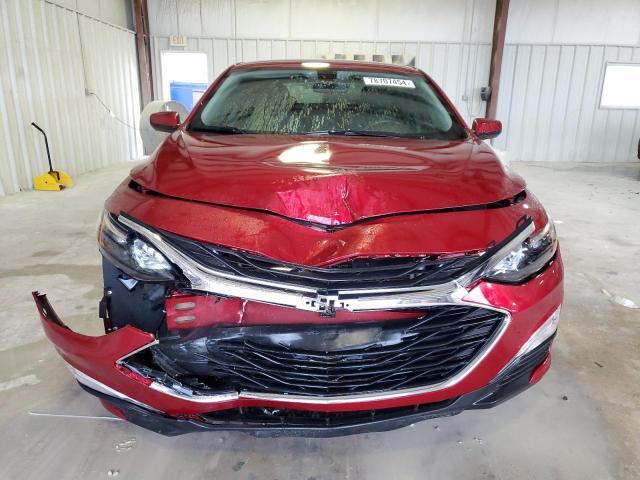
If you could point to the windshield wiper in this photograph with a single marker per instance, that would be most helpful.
(220, 129)
(350, 132)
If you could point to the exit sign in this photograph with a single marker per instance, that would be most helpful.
(177, 41)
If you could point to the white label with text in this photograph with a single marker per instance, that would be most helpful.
(388, 82)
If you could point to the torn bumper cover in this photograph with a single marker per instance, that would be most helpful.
(105, 365)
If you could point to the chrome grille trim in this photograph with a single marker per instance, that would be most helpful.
(310, 299)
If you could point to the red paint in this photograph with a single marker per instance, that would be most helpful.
(245, 191)
(485, 128)
(207, 310)
(134, 376)
(361, 178)
(282, 239)
(212, 310)
(165, 121)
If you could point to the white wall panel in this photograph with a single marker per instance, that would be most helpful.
(163, 17)
(587, 22)
(262, 18)
(43, 48)
(190, 17)
(373, 20)
(435, 21)
(88, 7)
(613, 22)
(218, 18)
(334, 19)
(117, 12)
(550, 105)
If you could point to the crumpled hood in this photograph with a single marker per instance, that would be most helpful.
(327, 180)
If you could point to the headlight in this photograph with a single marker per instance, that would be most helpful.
(132, 254)
(526, 259)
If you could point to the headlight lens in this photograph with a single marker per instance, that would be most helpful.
(526, 259)
(132, 254)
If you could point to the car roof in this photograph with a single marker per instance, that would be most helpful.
(336, 64)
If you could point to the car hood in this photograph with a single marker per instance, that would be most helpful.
(327, 180)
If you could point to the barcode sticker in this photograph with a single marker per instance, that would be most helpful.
(388, 82)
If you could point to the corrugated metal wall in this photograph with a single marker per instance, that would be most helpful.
(460, 68)
(49, 55)
(549, 104)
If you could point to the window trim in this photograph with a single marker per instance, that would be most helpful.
(601, 106)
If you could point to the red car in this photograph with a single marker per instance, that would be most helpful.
(318, 249)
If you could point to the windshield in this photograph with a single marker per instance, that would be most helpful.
(329, 102)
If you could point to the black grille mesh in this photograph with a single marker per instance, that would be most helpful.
(358, 273)
(399, 354)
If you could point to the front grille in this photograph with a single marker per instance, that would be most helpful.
(329, 360)
(390, 272)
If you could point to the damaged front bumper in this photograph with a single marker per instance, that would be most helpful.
(100, 365)
(276, 422)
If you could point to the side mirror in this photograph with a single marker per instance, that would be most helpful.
(165, 121)
(485, 128)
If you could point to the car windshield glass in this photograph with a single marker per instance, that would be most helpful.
(328, 102)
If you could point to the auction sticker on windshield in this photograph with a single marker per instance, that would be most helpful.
(388, 82)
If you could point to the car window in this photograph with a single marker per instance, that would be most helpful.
(328, 101)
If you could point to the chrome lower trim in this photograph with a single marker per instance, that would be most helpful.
(130, 354)
(223, 397)
(306, 298)
(94, 384)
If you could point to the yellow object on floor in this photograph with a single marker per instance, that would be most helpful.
(53, 180)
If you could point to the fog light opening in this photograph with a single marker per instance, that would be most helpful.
(545, 331)
(541, 369)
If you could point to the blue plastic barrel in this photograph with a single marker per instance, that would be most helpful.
(187, 93)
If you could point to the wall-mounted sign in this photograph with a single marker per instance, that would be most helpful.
(177, 41)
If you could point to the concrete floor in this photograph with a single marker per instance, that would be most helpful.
(580, 422)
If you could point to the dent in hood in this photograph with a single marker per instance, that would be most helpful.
(327, 180)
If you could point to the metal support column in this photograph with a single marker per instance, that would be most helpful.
(141, 20)
(497, 50)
